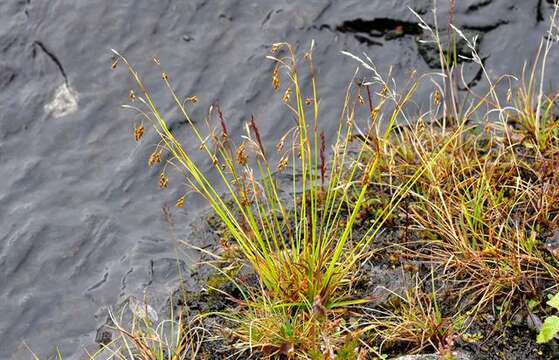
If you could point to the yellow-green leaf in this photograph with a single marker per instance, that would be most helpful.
(554, 301)
(549, 329)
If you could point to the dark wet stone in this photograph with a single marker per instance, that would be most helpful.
(534, 322)
(104, 335)
(390, 29)
(552, 243)
(379, 27)
(385, 282)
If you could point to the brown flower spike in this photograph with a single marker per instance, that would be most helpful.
(163, 181)
(139, 132)
(180, 202)
(154, 158)
(241, 155)
(275, 78)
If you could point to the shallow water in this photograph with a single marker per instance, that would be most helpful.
(81, 224)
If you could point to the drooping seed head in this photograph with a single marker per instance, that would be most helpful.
(437, 97)
(282, 164)
(163, 181)
(180, 202)
(280, 144)
(154, 158)
(286, 95)
(275, 78)
(276, 47)
(375, 112)
(360, 98)
(192, 99)
(138, 132)
(241, 155)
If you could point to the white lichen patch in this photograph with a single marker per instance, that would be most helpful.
(64, 102)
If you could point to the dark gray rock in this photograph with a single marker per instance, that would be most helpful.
(552, 243)
(386, 282)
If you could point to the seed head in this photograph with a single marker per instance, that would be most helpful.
(192, 99)
(282, 164)
(308, 101)
(224, 132)
(286, 95)
(115, 62)
(275, 78)
(437, 97)
(375, 112)
(280, 144)
(241, 155)
(138, 132)
(163, 181)
(132, 95)
(154, 158)
(165, 76)
(180, 202)
(360, 98)
(244, 199)
(276, 47)
(384, 91)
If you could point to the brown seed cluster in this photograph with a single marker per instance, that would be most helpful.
(280, 144)
(287, 95)
(375, 112)
(276, 47)
(154, 158)
(138, 132)
(282, 164)
(244, 200)
(275, 78)
(361, 99)
(437, 97)
(180, 202)
(163, 181)
(242, 157)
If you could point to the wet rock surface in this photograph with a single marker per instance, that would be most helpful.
(83, 226)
